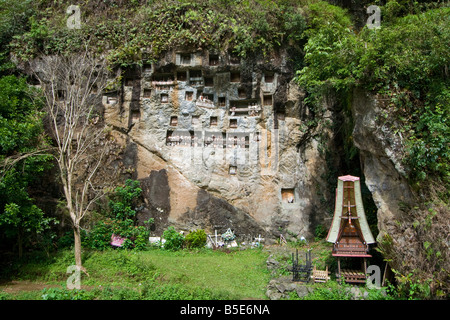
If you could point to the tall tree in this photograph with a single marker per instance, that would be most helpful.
(72, 87)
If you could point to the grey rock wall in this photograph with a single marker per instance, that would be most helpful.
(229, 134)
(380, 151)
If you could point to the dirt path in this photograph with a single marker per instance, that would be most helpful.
(16, 286)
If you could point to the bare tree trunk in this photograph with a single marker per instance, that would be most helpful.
(72, 86)
(77, 246)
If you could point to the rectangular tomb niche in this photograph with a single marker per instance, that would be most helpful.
(112, 98)
(222, 101)
(129, 82)
(213, 121)
(235, 76)
(247, 107)
(174, 121)
(147, 68)
(242, 93)
(233, 123)
(164, 98)
(205, 96)
(181, 75)
(288, 195)
(267, 100)
(195, 77)
(60, 95)
(189, 95)
(163, 77)
(185, 58)
(169, 138)
(209, 81)
(213, 60)
(147, 93)
(232, 170)
(163, 81)
(268, 77)
(181, 138)
(205, 100)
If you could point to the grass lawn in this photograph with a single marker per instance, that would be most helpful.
(158, 274)
(242, 274)
(152, 274)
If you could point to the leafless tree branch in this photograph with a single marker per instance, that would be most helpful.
(72, 88)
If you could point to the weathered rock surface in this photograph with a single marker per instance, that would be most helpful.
(281, 288)
(380, 151)
(221, 146)
(402, 212)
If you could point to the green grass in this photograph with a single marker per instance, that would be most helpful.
(158, 274)
(153, 274)
(241, 273)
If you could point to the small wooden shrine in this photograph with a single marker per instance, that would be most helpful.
(349, 229)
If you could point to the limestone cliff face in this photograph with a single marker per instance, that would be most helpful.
(220, 142)
(380, 151)
(226, 134)
(413, 226)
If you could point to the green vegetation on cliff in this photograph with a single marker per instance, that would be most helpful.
(129, 32)
(405, 62)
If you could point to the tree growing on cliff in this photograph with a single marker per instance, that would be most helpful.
(72, 87)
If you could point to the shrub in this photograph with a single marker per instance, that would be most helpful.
(196, 239)
(66, 294)
(320, 232)
(100, 235)
(332, 291)
(174, 240)
(122, 223)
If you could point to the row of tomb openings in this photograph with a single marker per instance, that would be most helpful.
(112, 98)
(250, 106)
(164, 83)
(187, 59)
(189, 96)
(196, 77)
(207, 100)
(213, 120)
(195, 120)
(215, 140)
(213, 59)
